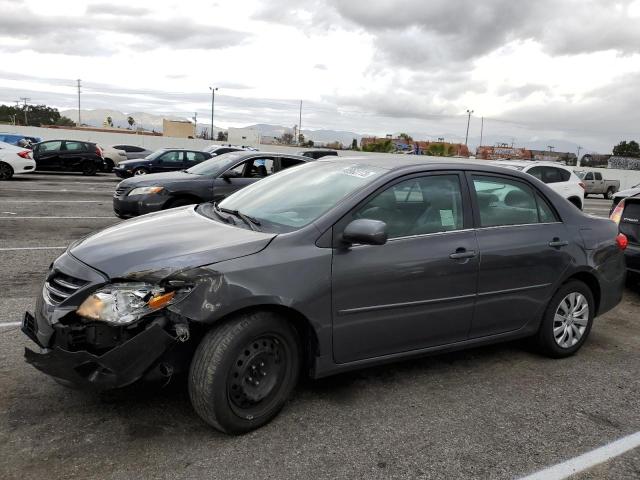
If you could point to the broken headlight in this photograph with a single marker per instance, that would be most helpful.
(124, 303)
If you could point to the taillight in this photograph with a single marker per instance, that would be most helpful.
(99, 151)
(584, 187)
(622, 241)
(616, 215)
(25, 154)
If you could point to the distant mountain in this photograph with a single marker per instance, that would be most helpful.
(318, 136)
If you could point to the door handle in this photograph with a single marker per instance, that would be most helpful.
(557, 243)
(461, 253)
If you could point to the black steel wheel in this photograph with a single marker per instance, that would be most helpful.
(244, 370)
(6, 172)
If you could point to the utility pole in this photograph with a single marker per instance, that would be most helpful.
(79, 119)
(213, 100)
(578, 156)
(300, 124)
(466, 138)
(25, 100)
(195, 124)
(481, 130)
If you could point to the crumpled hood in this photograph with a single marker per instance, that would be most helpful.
(162, 243)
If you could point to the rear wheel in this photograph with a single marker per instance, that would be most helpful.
(89, 168)
(567, 320)
(6, 172)
(140, 171)
(244, 371)
(610, 193)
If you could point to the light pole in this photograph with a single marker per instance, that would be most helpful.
(213, 99)
(466, 138)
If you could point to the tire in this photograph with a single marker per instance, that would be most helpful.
(231, 361)
(610, 193)
(557, 343)
(108, 165)
(140, 171)
(89, 169)
(6, 171)
(180, 202)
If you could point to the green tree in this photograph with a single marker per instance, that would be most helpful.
(37, 115)
(109, 121)
(287, 138)
(222, 136)
(354, 144)
(406, 137)
(65, 122)
(624, 149)
(130, 121)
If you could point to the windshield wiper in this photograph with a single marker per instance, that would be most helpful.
(253, 223)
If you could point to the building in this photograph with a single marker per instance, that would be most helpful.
(246, 137)
(421, 147)
(503, 152)
(565, 158)
(178, 128)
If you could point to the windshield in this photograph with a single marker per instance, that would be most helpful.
(298, 196)
(214, 165)
(155, 154)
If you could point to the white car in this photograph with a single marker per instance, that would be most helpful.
(560, 178)
(15, 160)
(112, 157)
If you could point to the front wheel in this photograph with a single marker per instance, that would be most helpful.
(243, 372)
(140, 171)
(6, 172)
(567, 320)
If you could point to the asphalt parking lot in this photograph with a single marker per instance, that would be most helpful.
(493, 412)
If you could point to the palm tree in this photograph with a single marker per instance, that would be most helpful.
(130, 121)
(109, 121)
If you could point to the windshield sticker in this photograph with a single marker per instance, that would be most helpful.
(359, 171)
(446, 217)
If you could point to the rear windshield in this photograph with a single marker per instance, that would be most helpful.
(630, 222)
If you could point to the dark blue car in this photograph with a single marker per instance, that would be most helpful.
(15, 138)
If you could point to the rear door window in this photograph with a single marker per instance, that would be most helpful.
(503, 202)
(598, 175)
(289, 162)
(74, 146)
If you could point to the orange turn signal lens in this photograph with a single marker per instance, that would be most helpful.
(160, 301)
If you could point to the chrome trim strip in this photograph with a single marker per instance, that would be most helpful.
(350, 311)
(513, 290)
(55, 291)
(519, 225)
(65, 284)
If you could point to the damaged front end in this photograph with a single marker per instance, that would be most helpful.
(101, 335)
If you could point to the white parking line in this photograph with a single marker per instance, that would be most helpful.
(11, 249)
(58, 190)
(55, 218)
(10, 324)
(587, 460)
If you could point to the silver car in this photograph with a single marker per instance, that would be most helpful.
(133, 151)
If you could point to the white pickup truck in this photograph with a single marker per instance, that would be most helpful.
(596, 185)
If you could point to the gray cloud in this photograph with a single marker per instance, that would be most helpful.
(90, 35)
(116, 10)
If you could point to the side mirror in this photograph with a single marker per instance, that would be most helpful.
(365, 232)
(228, 175)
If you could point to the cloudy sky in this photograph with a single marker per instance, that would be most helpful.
(565, 70)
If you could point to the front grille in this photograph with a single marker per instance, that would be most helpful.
(120, 191)
(60, 286)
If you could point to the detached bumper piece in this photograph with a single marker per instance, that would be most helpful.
(118, 367)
